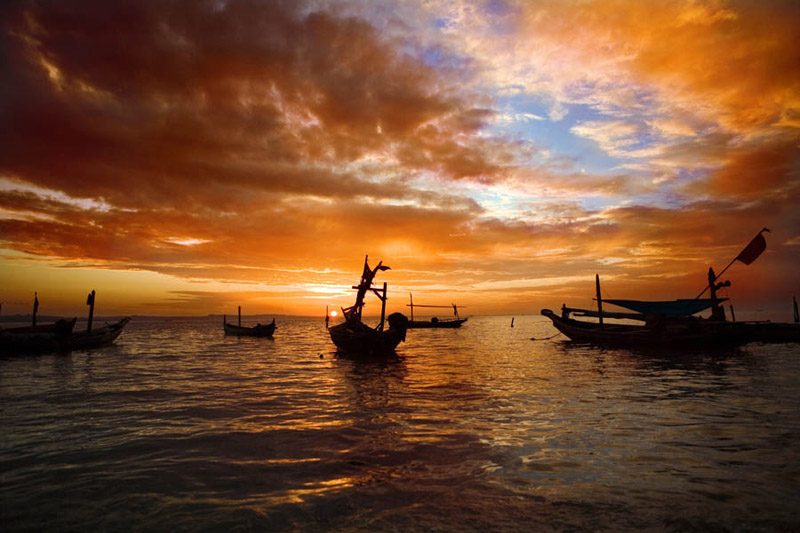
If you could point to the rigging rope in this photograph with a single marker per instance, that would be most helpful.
(546, 338)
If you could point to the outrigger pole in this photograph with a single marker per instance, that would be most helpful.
(412, 305)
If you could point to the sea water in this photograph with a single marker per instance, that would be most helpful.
(179, 428)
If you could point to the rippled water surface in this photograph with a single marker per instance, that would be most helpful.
(177, 427)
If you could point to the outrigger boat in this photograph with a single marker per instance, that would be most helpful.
(434, 322)
(259, 330)
(356, 339)
(672, 323)
(667, 324)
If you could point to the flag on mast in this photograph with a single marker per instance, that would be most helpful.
(754, 249)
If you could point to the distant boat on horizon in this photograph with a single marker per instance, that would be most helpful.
(259, 330)
(434, 322)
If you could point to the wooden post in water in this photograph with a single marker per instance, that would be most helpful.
(90, 303)
(599, 298)
(240, 316)
(512, 321)
(796, 314)
(411, 305)
(327, 317)
(35, 306)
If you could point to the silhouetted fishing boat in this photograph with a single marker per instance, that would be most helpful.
(434, 322)
(59, 327)
(259, 330)
(671, 323)
(658, 331)
(356, 339)
(39, 338)
(95, 337)
(57, 340)
(60, 336)
(666, 324)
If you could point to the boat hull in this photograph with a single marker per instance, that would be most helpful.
(50, 342)
(60, 327)
(256, 331)
(678, 334)
(439, 324)
(97, 337)
(770, 332)
(355, 339)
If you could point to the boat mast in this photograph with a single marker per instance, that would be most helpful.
(746, 256)
(354, 312)
(599, 298)
(717, 311)
(90, 303)
(383, 305)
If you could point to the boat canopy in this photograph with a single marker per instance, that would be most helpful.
(667, 308)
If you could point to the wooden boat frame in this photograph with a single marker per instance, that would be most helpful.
(354, 338)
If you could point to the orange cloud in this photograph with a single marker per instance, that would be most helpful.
(265, 145)
(729, 61)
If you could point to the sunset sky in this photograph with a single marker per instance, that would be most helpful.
(186, 157)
